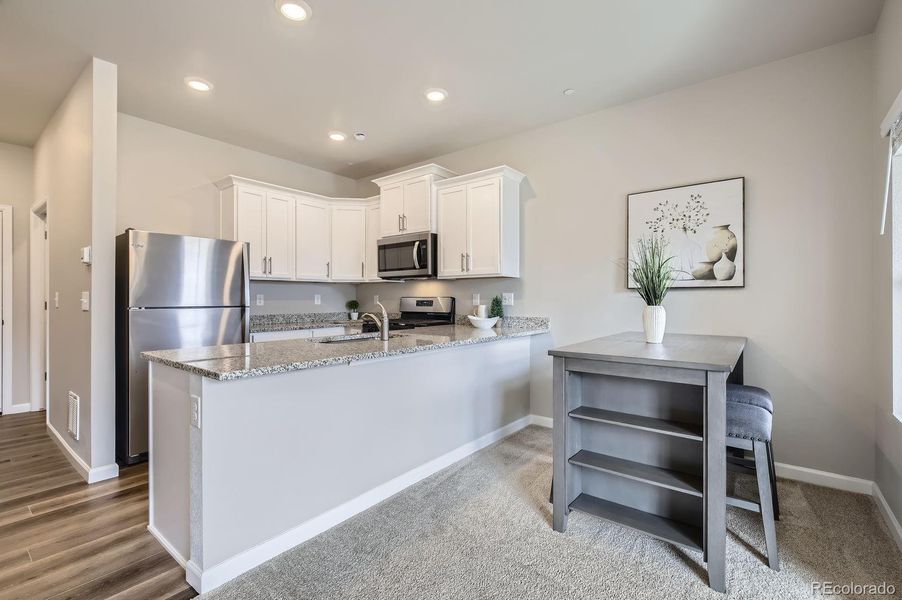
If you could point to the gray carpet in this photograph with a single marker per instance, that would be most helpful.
(482, 529)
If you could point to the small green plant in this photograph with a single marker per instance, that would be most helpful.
(352, 305)
(497, 308)
(651, 269)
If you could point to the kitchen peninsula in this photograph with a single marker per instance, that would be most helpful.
(258, 447)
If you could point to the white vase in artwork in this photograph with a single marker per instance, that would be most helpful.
(654, 320)
(686, 252)
(722, 242)
(724, 269)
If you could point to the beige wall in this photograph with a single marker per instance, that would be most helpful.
(16, 178)
(166, 184)
(75, 172)
(800, 131)
(888, 83)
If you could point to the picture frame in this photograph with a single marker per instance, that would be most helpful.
(703, 225)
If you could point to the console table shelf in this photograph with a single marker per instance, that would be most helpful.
(662, 426)
(665, 478)
(681, 534)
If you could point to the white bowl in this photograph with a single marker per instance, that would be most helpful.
(479, 323)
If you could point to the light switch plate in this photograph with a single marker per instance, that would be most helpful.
(259, 299)
(195, 411)
(475, 299)
(507, 299)
(56, 299)
(86, 301)
(86, 255)
(375, 298)
(317, 299)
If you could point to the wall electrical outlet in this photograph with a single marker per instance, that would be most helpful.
(259, 299)
(317, 299)
(56, 299)
(507, 299)
(86, 301)
(375, 298)
(195, 411)
(475, 301)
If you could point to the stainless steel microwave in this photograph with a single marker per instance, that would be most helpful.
(409, 256)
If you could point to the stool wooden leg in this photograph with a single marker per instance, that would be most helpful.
(765, 498)
(773, 480)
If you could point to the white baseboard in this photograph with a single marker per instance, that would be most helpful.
(207, 579)
(825, 479)
(888, 516)
(168, 547)
(88, 473)
(541, 421)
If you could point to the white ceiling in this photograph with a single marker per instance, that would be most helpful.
(362, 65)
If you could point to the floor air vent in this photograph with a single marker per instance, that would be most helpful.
(74, 412)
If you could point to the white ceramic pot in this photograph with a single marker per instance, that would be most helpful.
(354, 316)
(654, 319)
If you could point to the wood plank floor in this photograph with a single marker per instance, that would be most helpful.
(61, 538)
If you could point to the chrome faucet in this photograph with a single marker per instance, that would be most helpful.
(382, 325)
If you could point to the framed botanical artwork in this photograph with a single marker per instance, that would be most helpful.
(703, 225)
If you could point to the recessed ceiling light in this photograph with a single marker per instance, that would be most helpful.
(337, 136)
(359, 136)
(198, 85)
(436, 95)
(569, 92)
(295, 10)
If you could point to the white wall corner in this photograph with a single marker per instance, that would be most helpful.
(889, 517)
(88, 473)
(541, 421)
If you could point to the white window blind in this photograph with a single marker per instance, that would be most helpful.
(892, 129)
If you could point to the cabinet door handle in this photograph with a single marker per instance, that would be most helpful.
(405, 222)
(328, 269)
(462, 267)
(400, 227)
(264, 265)
(270, 265)
(362, 274)
(468, 263)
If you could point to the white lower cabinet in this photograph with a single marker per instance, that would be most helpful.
(314, 240)
(479, 224)
(296, 334)
(348, 243)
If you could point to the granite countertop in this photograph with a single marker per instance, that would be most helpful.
(241, 361)
(293, 322)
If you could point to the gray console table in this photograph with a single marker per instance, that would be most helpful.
(639, 437)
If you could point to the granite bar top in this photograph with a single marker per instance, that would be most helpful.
(241, 361)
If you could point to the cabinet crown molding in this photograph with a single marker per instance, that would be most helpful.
(504, 171)
(430, 169)
(230, 181)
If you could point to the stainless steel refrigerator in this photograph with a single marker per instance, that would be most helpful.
(172, 291)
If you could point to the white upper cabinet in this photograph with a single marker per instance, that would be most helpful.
(407, 200)
(263, 219)
(248, 214)
(314, 239)
(373, 228)
(280, 237)
(479, 224)
(452, 220)
(391, 204)
(348, 243)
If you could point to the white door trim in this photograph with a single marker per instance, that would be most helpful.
(38, 326)
(7, 337)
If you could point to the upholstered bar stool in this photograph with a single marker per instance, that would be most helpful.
(749, 424)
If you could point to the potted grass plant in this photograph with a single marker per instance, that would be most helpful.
(353, 307)
(652, 272)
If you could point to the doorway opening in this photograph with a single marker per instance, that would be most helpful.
(39, 313)
(6, 309)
